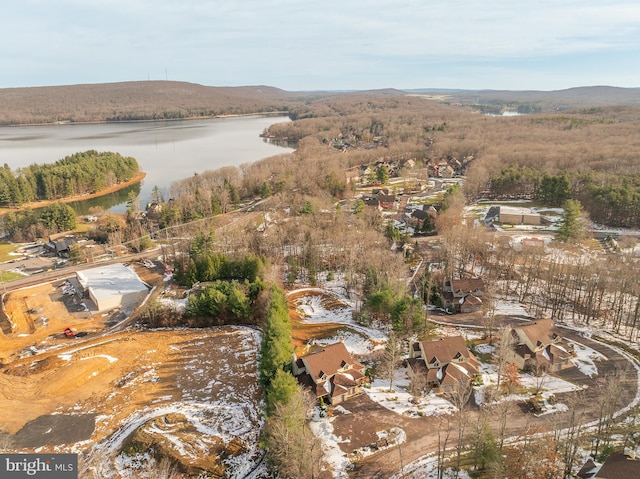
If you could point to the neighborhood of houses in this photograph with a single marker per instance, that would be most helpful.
(412, 195)
(443, 364)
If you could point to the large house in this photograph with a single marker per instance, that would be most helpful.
(539, 345)
(463, 295)
(330, 373)
(445, 363)
(617, 466)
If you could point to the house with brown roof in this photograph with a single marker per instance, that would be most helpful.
(446, 172)
(463, 295)
(387, 202)
(330, 373)
(617, 466)
(540, 345)
(445, 363)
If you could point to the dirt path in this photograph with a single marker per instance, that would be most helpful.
(422, 432)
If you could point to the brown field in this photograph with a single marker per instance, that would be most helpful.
(158, 388)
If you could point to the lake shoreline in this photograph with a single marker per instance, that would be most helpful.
(166, 150)
(115, 122)
(138, 177)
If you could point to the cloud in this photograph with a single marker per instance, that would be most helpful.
(251, 41)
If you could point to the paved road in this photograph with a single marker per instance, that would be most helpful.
(422, 432)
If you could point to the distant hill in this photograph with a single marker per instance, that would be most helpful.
(557, 100)
(145, 100)
(158, 100)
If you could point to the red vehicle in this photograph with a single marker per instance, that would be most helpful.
(69, 334)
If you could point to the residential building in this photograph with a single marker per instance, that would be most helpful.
(617, 466)
(330, 373)
(445, 363)
(539, 345)
(463, 295)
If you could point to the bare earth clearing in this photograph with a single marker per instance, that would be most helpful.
(191, 394)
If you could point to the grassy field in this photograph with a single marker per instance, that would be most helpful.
(5, 249)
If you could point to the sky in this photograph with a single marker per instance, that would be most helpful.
(302, 45)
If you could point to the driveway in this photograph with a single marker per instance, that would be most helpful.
(368, 417)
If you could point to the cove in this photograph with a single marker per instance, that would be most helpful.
(165, 150)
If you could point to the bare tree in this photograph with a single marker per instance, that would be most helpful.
(540, 373)
(293, 450)
(459, 397)
(502, 411)
(417, 385)
(489, 308)
(391, 358)
(572, 435)
(609, 386)
(444, 431)
(504, 352)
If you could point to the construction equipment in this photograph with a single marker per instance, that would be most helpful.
(68, 333)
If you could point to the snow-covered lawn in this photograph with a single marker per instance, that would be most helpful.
(510, 308)
(586, 358)
(329, 305)
(400, 400)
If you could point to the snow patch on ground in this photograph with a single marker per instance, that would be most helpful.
(336, 459)
(400, 400)
(586, 358)
(510, 308)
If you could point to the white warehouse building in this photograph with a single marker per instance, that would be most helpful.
(113, 286)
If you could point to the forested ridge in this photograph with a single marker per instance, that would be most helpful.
(129, 101)
(84, 172)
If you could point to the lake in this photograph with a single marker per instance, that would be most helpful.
(165, 150)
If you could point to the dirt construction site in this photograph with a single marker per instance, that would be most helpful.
(101, 390)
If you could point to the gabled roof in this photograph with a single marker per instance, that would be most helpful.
(419, 214)
(619, 466)
(588, 471)
(386, 198)
(455, 374)
(472, 300)
(328, 361)
(467, 285)
(445, 349)
(540, 332)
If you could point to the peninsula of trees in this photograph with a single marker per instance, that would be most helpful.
(74, 175)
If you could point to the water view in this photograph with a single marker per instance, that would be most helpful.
(166, 151)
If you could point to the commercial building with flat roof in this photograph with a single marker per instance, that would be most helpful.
(113, 286)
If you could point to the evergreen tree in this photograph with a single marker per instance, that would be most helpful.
(382, 174)
(276, 349)
(573, 224)
(281, 390)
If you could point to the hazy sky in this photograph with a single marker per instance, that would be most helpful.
(324, 44)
